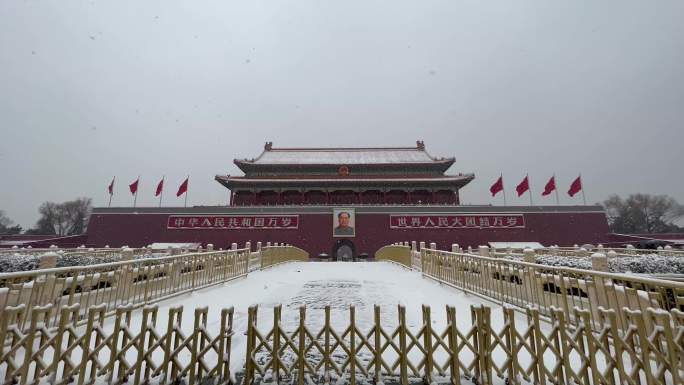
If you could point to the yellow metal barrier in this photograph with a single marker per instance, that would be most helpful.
(273, 255)
(135, 282)
(543, 287)
(130, 353)
(395, 253)
(530, 351)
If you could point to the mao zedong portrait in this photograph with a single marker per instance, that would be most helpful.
(343, 228)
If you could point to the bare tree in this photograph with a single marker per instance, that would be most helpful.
(643, 213)
(4, 221)
(68, 218)
(6, 225)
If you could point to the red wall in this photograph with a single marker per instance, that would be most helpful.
(117, 227)
(45, 241)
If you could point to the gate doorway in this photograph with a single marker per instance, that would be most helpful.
(344, 250)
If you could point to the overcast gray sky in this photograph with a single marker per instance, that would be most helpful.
(93, 89)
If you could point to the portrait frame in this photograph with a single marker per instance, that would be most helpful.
(344, 231)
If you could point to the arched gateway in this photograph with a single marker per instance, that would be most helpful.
(344, 250)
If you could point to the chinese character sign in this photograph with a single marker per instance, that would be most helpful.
(233, 222)
(473, 221)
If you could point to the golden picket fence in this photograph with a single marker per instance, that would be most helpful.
(137, 282)
(64, 342)
(134, 282)
(132, 353)
(52, 320)
(519, 352)
(545, 287)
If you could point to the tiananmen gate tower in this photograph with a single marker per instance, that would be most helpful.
(319, 176)
(351, 200)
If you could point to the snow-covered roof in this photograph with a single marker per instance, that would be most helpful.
(443, 178)
(345, 156)
(436, 181)
(166, 245)
(516, 245)
(12, 243)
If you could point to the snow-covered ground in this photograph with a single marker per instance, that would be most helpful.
(316, 285)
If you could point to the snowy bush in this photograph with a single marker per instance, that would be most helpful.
(18, 262)
(642, 264)
(26, 262)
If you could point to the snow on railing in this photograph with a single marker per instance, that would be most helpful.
(461, 346)
(544, 287)
(254, 261)
(416, 262)
(586, 344)
(133, 282)
(106, 353)
(438, 352)
(446, 352)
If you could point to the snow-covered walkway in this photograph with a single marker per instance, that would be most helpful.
(316, 285)
(337, 284)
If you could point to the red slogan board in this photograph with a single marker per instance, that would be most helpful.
(457, 221)
(233, 222)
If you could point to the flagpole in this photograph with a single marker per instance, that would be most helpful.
(161, 193)
(186, 191)
(584, 197)
(529, 187)
(503, 188)
(111, 193)
(556, 189)
(137, 187)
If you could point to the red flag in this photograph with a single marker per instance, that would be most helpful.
(524, 186)
(134, 186)
(183, 187)
(497, 186)
(111, 187)
(550, 186)
(160, 187)
(575, 187)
